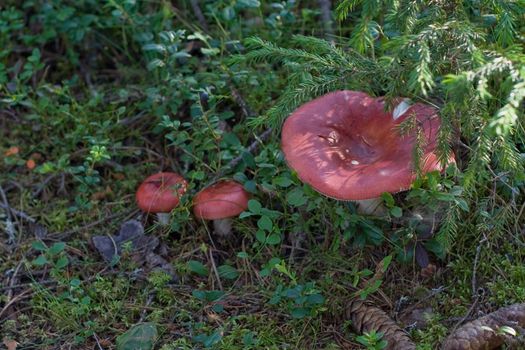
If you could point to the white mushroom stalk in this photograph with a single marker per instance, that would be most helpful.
(222, 227)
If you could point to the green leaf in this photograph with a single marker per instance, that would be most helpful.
(231, 139)
(228, 272)
(388, 198)
(300, 312)
(214, 295)
(273, 214)
(315, 299)
(282, 181)
(249, 339)
(243, 255)
(57, 248)
(435, 247)
(273, 239)
(265, 223)
(446, 197)
(296, 197)
(198, 268)
(39, 245)
(218, 308)
(210, 52)
(61, 262)
(139, 337)
(154, 47)
(40, 261)
(228, 13)
(75, 282)
(462, 204)
(396, 212)
(248, 4)
(155, 63)
(183, 54)
(245, 214)
(386, 262)
(199, 294)
(261, 236)
(208, 341)
(254, 206)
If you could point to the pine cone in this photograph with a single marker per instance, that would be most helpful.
(366, 318)
(472, 335)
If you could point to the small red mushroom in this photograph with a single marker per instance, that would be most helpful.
(346, 146)
(160, 193)
(220, 202)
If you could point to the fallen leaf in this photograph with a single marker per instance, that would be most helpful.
(12, 151)
(421, 256)
(10, 344)
(118, 176)
(130, 231)
(139, 337)
(428, 271)
(97, 196)
(105, 342)
(142, 247)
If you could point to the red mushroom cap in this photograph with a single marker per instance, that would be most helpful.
(221, 200)
(346, 146)
(161, 192)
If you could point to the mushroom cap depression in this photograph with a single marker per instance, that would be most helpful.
(221, 200)
(161, 192)
(346, 146)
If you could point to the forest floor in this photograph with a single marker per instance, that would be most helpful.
(94, 98)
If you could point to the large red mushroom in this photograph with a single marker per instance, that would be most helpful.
(346, 146)
(220, 202)
(160, 193)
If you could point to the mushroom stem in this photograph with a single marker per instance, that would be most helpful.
(164, 218)
(222, 227)
(372, 206)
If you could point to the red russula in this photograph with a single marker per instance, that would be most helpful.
(161, 192)
(346, 146)
(221, 200)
